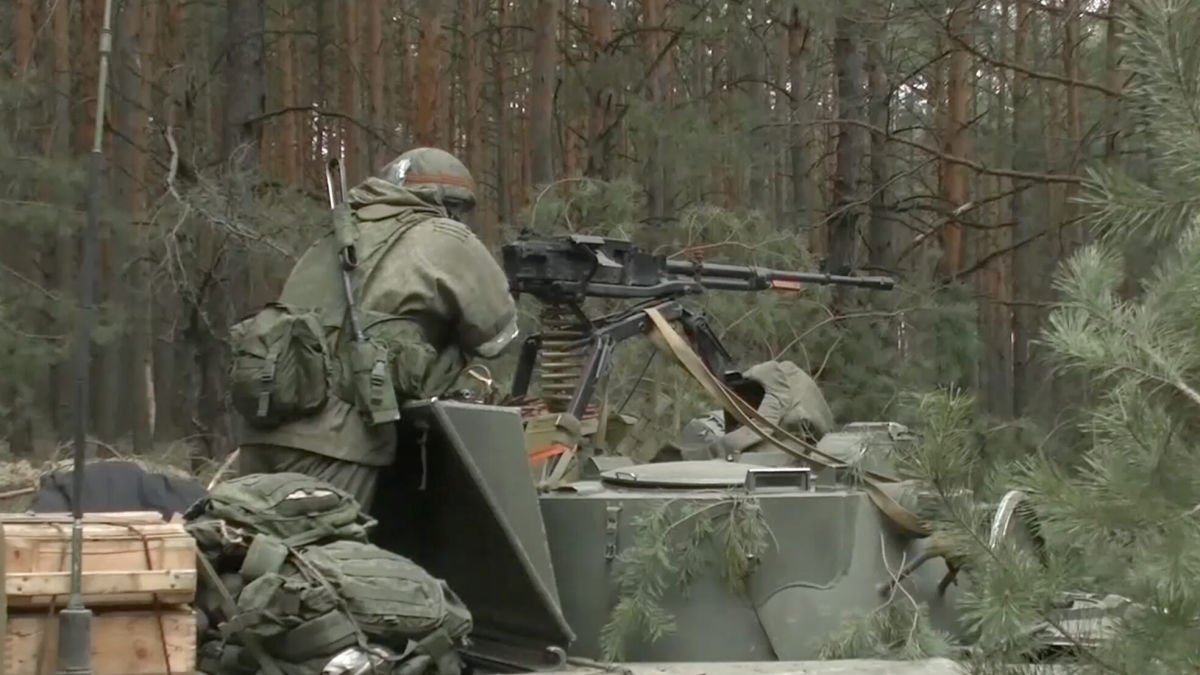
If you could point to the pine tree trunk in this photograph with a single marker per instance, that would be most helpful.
(173, 353)
(541, 107)
(376, 69)
(848, 64)
(1025, 281)
(326, 80)
(351, 67)
(474, 113)
(600, 145)
(141, 355)
(1073, 232)
(504, 199)
(241, 139)
(401, 97)
(64, 249)
(1116, 82)
(18, 250)
(451, 69)
(89, 60)
(428, 119)
(879, 232)
(246, 84)
(762, 158)
(955, 188)
(109, 373)
(22, 38)
(291, 122)
(778, 140)
(804, 191)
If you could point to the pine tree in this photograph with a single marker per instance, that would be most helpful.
(1119, 511)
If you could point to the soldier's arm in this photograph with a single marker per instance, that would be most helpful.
(472, 287)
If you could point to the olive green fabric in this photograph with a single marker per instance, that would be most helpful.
(358, 480)
(435, 174)
(295, 508)
(280, 368)
(696, 439)
(289, 555)
(791, 400)
(428, 290)
(325, 598)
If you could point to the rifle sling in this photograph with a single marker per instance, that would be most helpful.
(789, 443)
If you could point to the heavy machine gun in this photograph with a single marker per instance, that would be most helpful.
(576, 351)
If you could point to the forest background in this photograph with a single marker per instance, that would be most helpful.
(940, 143)
(1025, 168)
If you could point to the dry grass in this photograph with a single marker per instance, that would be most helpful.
(19, 477)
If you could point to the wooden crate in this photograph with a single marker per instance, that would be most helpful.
(146, 642)
(129, 559)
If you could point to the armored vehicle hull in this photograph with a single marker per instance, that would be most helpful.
(540, 571)
(828, 552)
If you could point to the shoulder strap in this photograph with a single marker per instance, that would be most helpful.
(789, 443)
(230, 608)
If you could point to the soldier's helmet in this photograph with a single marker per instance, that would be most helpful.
(431, 169)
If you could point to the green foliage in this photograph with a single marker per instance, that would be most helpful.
(674, 545)
(1163, 99)
(896, 630)
(875, 346)
(1118, 512)
(42, 198)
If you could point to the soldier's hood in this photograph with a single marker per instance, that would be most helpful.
(796, 388)
(377, 199)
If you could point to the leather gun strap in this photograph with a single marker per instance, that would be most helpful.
(789, 443)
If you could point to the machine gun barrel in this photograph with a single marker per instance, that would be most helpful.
(759, 278)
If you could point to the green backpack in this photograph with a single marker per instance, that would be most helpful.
(324, 598)
(281, 369)
(291, 508)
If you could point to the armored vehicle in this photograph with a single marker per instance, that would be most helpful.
(740, 560)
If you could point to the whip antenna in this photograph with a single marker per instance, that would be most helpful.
(75, 621)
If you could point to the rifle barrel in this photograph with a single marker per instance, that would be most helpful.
(760, 277)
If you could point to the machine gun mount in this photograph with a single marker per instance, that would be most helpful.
(576, 351)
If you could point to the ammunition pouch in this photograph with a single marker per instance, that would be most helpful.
(371, 378)
(389, 367)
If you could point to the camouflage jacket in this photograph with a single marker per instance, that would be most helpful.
(791, 400)
(423, 281)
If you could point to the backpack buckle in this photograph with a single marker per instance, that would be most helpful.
(265, 377)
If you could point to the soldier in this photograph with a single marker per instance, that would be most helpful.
(790, 399)
(426, 287)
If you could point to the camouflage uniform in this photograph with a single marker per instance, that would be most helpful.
(425, 285)
(791, 400)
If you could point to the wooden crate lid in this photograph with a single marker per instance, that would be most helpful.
(133, 558)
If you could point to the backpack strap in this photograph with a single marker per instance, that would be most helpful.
(230, 608)
(312, 535)
(265, 554)
(438, 646)
(329, 633)
(266, 378)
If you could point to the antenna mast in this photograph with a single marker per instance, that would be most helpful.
(75, 621)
